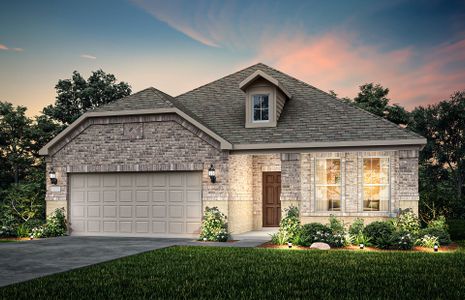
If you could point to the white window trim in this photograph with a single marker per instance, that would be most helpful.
(376, 184)
(341, 210)
(253, 109)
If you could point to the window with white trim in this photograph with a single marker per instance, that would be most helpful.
(260, 108)
(328, 184)
(376, 184)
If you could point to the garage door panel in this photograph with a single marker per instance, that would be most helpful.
(131, 204)
(142, 196)
(93, 196)
(125, 196)
(110, 211)
(142, 211)
(110, 226)
(125, 211)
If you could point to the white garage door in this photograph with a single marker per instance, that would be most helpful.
(136, 204)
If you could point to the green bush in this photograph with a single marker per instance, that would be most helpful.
(338, 233)
(289, 228)
(357, 227)
(406, 220)
(402, 240)
(442, 235)
(428, 241)
(379, 233)
(456, 229)
(360, 238)
(55, 225)
(214, 226)
(315, 232)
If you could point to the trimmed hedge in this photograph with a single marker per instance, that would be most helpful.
(456, 229)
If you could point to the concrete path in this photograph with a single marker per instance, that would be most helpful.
(21, 261)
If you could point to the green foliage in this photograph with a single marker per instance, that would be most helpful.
(401, 240)
(406, 220)
(22, 230)
(428, 241)
(56, 225)
(442, 234)
(357, 227)
(360, 238)
(289, 227)
(456, 229)
(214, 225)
(77, 95)
(314, 232)
(379, 233)
(23, 202)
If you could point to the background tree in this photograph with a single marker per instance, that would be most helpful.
(76, 95)
(443, 157)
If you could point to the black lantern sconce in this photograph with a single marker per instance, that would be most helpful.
(212, 173)
(53, 177)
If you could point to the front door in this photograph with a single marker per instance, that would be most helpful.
(271, 201)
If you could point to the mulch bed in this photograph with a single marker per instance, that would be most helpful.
(16, 239)
(449, 248)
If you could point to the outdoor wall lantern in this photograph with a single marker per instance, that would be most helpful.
(212, 173)
(53, 177)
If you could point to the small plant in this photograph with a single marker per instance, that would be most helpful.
(428, 241)
(214, 226)
(314, 232)
(55, 226)
(402, 240)
(338, 238)
(357, 227)
(289, 227)
(442, 235)
(380, 233)
(7, 231)
(360, 238)
(22, 230)
(406, 220)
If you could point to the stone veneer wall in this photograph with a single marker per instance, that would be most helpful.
(167, 143)
(240, 204)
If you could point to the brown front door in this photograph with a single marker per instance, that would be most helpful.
(271, 201)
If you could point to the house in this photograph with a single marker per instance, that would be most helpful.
(251, 143)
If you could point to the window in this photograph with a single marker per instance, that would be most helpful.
(260, 107)
(328, 185)
(375, 184)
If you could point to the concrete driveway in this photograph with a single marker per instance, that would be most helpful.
(22, 261)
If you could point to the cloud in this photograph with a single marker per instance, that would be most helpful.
(88, 56)
(339, 61)
(4, 47)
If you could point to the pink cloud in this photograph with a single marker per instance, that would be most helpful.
(338, 61)
(3, 47)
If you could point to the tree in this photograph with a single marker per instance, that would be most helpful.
(443, 125)
(76, 95)
(372, 98)
(15, 143)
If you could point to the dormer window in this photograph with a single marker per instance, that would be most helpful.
(265, 98)
(261, 108)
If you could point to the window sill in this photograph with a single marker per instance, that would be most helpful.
(350, 214)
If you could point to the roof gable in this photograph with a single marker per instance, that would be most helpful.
(244, 84)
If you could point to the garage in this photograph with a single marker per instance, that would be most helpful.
(136, 204)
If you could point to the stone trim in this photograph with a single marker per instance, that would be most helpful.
(134, 168)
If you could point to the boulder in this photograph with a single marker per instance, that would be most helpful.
(320, 246)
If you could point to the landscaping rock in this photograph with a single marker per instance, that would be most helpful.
(320, 246)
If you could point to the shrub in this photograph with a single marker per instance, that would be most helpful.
(314, 232)
(338, 233)
(456, 229)
(289, 228)
(406, 220)
(7, 231)
(360, 238)
(379, 233)
(442, 235)
(439, 223)
(428, 241)
(22, 230)
(402, 240)
(55, 226)
(357, 227)
(214, 226)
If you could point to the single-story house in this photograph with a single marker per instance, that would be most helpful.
(251, 143)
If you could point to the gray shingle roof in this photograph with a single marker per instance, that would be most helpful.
(310, 116)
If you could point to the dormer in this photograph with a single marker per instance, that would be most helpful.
(265, 97)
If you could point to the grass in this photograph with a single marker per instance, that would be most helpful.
(234, 273)
(8, 241)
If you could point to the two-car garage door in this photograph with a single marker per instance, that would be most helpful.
(136, 204)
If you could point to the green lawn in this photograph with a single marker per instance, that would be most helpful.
(207, 272)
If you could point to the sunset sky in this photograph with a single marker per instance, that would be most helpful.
(415, 48)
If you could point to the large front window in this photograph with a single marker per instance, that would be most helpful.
(375, 184)
(328, 185)
(260, 108)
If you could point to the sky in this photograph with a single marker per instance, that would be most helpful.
(415, 48)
